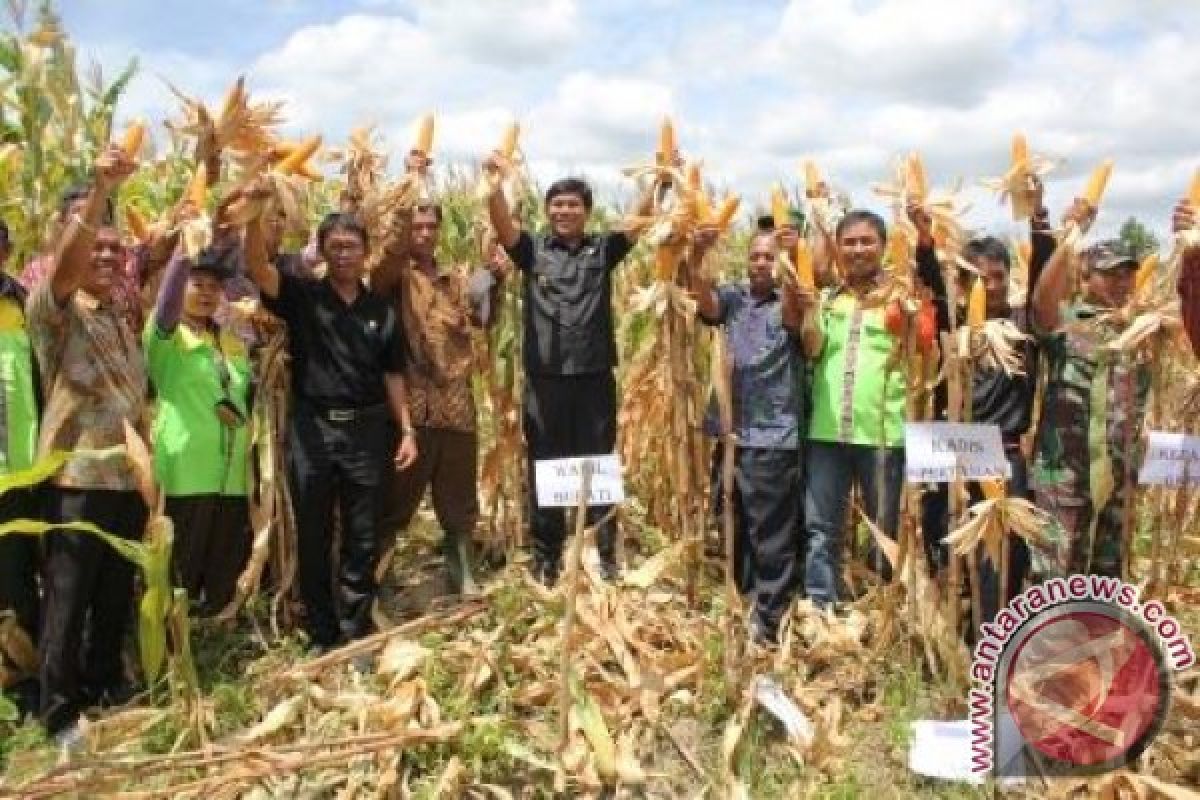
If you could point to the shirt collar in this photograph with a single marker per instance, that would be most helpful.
(553, 242)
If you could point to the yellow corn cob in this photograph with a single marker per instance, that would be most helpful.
(306, 171)
(131, 142)
(812, 177)
(702, 207)
(692, 177)
(779, 207)
(667, 143)
(1194, 191)
(298, 158)
(803, 260)
(993, 489)
(899, 251)
(137, 224)
(508, 142)
(424, 140)
(918, 184)
(1020, 150)
(1025, 251)
(282, 149)
(977, 305)
(1095, 185)
(666, 259)
(729, 207)
(197, 188)
(1145, 273)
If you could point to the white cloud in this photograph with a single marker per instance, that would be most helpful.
(503, 33)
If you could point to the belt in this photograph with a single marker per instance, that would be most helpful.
(349, 414)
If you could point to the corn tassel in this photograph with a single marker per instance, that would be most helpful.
(137, 224)
(667, 143)
(725, 213)
(779, 208)
(424, 141)
(977, 305)
(508, 142)
(135, 134)
(803, 260)
(1097, 182)
(297, 160)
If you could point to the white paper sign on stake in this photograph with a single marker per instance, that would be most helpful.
(560, 480)
(1172, 459)
(941, 452)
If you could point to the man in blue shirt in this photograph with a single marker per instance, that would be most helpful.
(762, 329)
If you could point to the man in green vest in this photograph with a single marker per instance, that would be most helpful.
(18, 441)
(856, 433)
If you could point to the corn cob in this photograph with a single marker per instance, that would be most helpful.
(1020, 150)
(135, 134)
(666, 259)
(1145, 273)
(812, 178)
(779, 207)
(667, 143)
(805, 274)
(508, 142)
(977, 305)
(899, 249)
(729, 207)
(197, 188)
(1097, 182)
(137, 224)
(233, 98)
(917, 183)
(993, 489)
(424, 140)
(297, 160)
(692, 177)
(1194, 191)
(702, 208)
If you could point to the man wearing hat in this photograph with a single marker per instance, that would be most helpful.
(201, 376)
(1093, 408)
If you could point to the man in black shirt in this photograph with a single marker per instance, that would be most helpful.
(348, 388)
(569, 351)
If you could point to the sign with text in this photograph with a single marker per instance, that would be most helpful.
(941, 452)
(1172, 459)
(560, 480)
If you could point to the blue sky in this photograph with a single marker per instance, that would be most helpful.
(754, 86)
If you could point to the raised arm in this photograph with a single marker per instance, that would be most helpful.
(258, 266)
(929, 269)
(73, 255)
(507, 231)
(169, 305)
(700, 284)
(1053, 286)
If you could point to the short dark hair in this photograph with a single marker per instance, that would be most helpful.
(80, 191)
(861, 215)
(341, 221)
(575, 186)
(434, 208)
(989, 247)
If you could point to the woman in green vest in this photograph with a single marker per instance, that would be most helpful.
(201, 376)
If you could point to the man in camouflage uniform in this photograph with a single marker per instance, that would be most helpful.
(1092, 415)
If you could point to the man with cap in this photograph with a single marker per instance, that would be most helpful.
(1093, 408)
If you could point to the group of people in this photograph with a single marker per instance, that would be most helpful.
(381, 405)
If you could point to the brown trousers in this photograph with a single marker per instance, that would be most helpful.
(446, 463)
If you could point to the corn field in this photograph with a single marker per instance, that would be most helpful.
(653, 691)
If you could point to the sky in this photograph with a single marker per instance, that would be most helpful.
(754, 87)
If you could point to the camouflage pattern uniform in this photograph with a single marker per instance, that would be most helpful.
(1066, 444)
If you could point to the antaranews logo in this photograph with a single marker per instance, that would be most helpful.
(1072, 677)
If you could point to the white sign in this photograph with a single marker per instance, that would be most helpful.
(942, 750)
(1172, 459)
(560, 480)
(941, 452)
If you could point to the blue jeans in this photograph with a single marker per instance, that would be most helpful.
(832, 471)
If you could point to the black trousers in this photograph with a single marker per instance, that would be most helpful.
(88, 600)
(568, 416)
(347, 463)
(212, 543)
(19, 560)
(768, 527)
